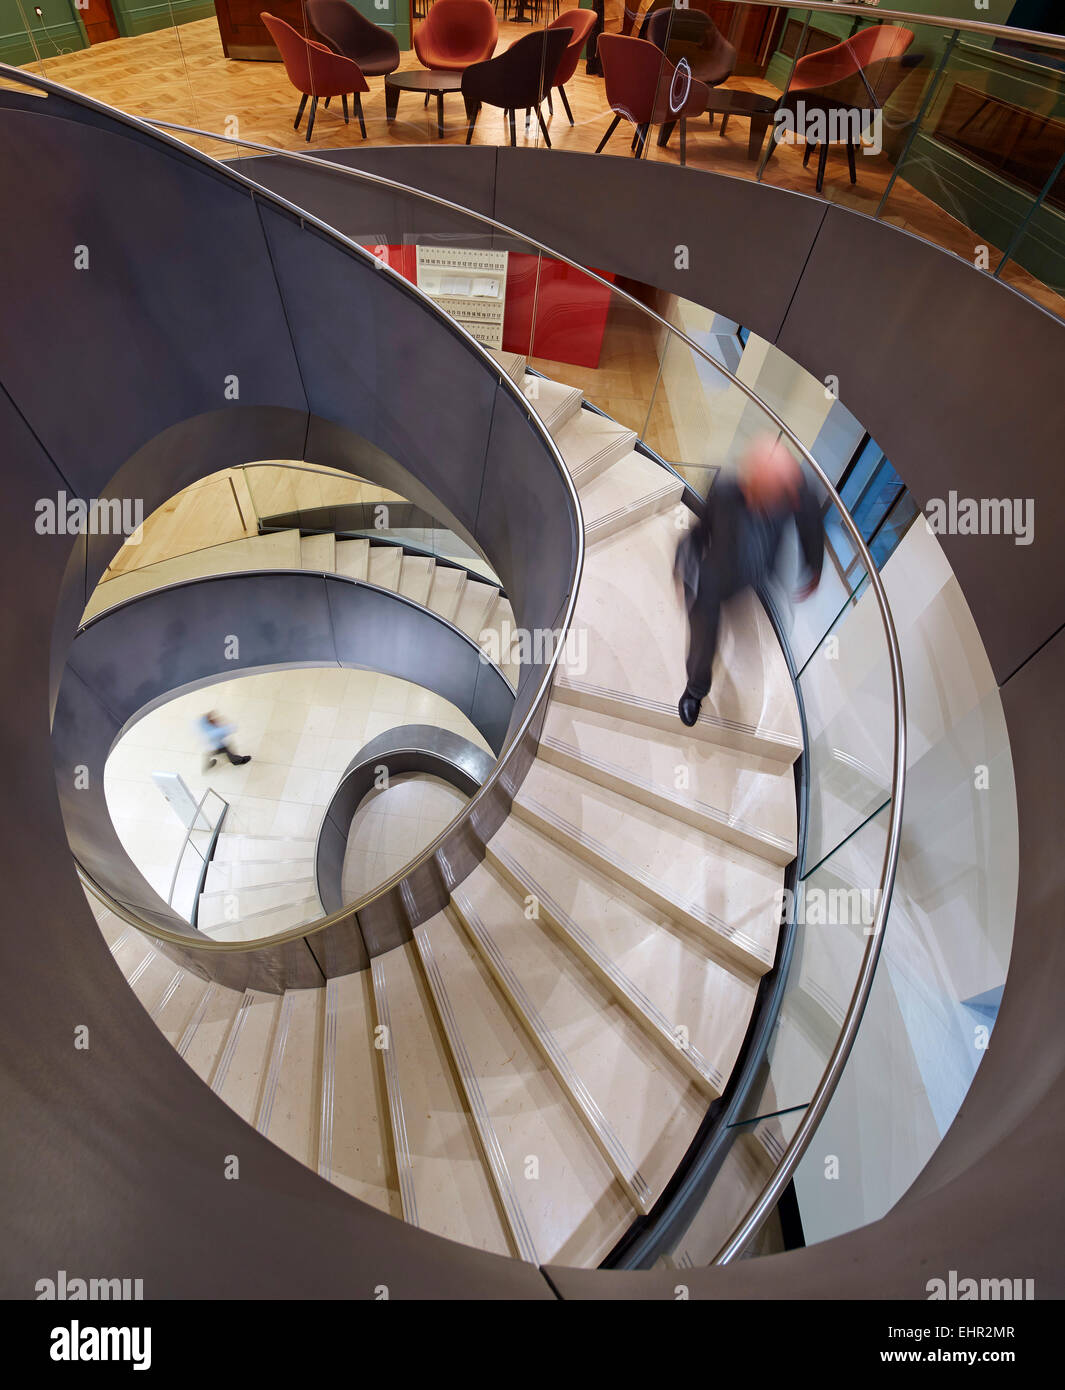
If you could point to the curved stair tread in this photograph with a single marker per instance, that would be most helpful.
(630, 616)
(673, 989)
(635, 1101)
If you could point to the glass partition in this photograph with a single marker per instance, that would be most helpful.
(953, 132)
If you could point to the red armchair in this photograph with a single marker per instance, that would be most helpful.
(858, 74)
(316, 71)
(581, 22)
(643, 86)
(456, 33)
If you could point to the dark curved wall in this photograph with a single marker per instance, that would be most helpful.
(151, 1202)
(147, 650)
(119, 1150)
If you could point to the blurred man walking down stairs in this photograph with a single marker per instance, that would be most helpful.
(735, 547)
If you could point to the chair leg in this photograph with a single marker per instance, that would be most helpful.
(808, 151)
(472, 114)
(550, 103)
(310, 122)
(850, 162)
(513, 132)
(358, 112)
(427, 96)
(822, 160)
(683, 141)
(664, 133)
(641, 139)
(565, 103)
(543, 127)
(724, 122)
(610, 131)
(711, 114)
(528, 118)
(299, 113)
(343, 106)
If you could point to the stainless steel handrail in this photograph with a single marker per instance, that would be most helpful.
(515, 740)
(876, 14)
(800, 1141)
(205, 858)
(753, 1219)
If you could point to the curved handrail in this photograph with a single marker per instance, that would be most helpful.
(800, 1141)
(517, 736)
(935, 21)
(210, 848)
(796, 1148)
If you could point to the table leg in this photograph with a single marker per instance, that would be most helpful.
(439, 115)
(391, 102)
(759, 126)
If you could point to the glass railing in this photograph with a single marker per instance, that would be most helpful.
(953, 129)
(194, 858)
(656, 371)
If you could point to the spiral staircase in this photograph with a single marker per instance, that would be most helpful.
(527, 1073)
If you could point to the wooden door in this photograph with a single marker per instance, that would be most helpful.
(99, 20)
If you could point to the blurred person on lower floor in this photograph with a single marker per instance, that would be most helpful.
(216, 735)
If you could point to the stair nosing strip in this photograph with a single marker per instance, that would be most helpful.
(135, 974)
(329, 1056)
(624, 1166)
(232, 1037)
(167, 994)
(497, 1163)
(185, 1041)
(708, 919)
(630, 508)
(121, 941)
(400, 1142)
(647, 702)
(633, 779)
(621, 982)
(277, 1058)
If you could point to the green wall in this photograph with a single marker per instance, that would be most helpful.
(393, 15)
(140, 18)
(59, 31)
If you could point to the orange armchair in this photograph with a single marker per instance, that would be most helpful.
(456, 33)
(859, 74)
(316, 71)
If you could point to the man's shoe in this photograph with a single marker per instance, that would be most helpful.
(688, 709)
(245, 759)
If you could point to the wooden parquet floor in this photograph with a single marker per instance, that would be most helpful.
(181, 75)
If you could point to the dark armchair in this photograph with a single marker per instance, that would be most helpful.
(342, 28)
(520, 77)
(692, 35)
